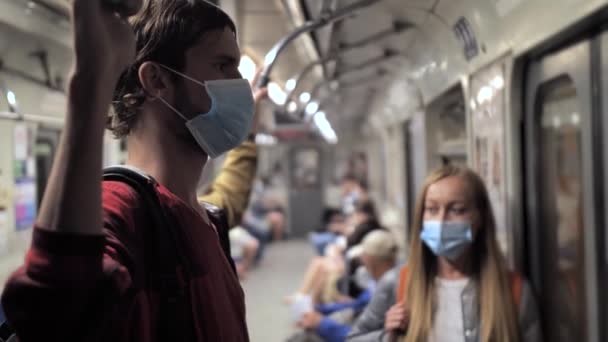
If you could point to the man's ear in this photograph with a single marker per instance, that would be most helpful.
(155, 80)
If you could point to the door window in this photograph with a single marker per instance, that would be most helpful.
(560, 188)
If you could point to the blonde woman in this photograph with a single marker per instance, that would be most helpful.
(456, 285)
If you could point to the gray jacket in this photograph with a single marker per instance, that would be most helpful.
(369, 327)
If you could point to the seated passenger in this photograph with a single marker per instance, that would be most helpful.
(353, 192)
(332, 221)
(243, 250)
(365, 221)
(456, 273)
(369, 326)
(265, 217)
(378, 253)
(323, 273)
(257, 225)
(276, 219)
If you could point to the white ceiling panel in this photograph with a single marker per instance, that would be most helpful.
(260, 5)
(262, 27)
(419, 4)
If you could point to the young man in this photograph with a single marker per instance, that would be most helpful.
(178, 98)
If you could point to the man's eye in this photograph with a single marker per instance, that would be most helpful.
(431, 210)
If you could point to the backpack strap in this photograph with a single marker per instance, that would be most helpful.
(220, 220)
(174, 303)
(402, 288)
(7, 333)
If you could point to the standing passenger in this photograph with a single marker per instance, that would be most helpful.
(178, 99)
(456, 286)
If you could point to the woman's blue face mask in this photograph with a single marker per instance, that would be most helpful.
(447, 239)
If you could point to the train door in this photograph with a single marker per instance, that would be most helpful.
(563, 175)
(305, 189)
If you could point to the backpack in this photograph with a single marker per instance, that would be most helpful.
(173, 322)
(516, 286)
(6, 331)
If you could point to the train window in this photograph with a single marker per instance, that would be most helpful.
(560, 209)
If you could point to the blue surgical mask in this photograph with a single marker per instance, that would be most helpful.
(448, 239)
(229, 120)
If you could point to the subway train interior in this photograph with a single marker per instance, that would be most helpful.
(384, 92)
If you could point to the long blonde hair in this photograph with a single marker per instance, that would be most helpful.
(497, 309)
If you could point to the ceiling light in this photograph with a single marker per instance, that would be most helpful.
(498, 82)
(557, 122)
(324, 127)
(576, 119)
(304, 97)
(312, 108)
(292, 106)
(247, 68)
(276, 94)
(11, 98)
(290, 84)
(485, 94)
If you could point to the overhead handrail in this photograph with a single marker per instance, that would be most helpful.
(343, 85)
(309, 26)
(398, 27)
(385, 56)
(299, 115)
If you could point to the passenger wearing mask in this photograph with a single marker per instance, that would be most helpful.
(365, 220)
(243, 250)
(91, 273)
(353, 192)
(323, 273)
(378, 252)
(333, 226)
(456, 285)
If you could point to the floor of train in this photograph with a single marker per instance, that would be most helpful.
(278, 274)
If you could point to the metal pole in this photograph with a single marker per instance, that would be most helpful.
(363, 80)
(398, 27)
(273, 54)
(325, 100)
(298, 79)
(387, 54)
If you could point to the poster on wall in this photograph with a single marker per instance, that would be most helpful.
(487, 119)
(4, 205)
(25, 177)
(25, 203)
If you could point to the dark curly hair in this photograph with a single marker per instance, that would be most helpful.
(164, 31)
